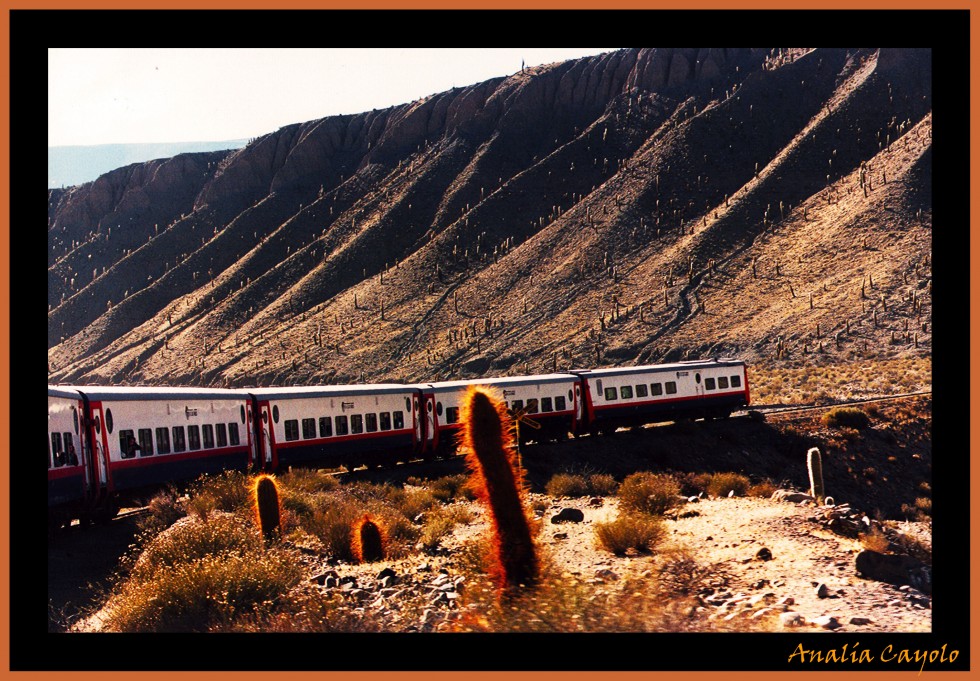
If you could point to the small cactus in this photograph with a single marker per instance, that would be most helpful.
(367, 543)
(267, 506)
(815, 467)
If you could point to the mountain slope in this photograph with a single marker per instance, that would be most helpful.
(636, 206)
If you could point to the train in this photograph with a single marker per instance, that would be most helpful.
(112, 445)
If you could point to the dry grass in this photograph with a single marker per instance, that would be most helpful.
(828, 383)
(646, 492)
(723, 484)
(846, 417)
(639, 532)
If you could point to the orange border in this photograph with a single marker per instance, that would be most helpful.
(5, 261)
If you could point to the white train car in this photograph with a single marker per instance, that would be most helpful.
(628, 396)
(327, 426)
(69, 466)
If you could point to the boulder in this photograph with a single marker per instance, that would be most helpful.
(568, 515)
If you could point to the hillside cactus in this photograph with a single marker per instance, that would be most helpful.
(814, 466)
(267, 506)
(487, 440)
(367, 542)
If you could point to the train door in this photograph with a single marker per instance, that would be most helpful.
(417, 422)
(265, 426)
(431, 437)
(698, 384)
(254, 444)
(99, 452)
(578, 406)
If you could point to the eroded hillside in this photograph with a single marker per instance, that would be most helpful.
(636, 206)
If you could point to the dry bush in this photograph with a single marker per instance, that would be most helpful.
(602, 484)
(693, 484)
(452, 488)
(413, 502)
(875, 540)
(163, 510)
(680, 573)
(647, 492)
(229, 492)
(202, 576)
(638, 531)
(762, 489)
(308, 481)
(846, 417)
(567, 485)
(721, 484)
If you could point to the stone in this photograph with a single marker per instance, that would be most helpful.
(763, 554)
(899, 570)
(606, 575)
(823, 591)
(859, 621)
(791, 496)
(596, 501)
(387, 572)
(791, 619)
(827, 622)
(568, 515)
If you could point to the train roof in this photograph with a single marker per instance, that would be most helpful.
(297, 392)
(503, 380)
(649, 368)
(123, 393)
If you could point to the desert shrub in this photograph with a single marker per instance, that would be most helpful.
(846, 417)
(762, 489)
(693, 483)
(308, 481)
(567, 485)
(920, 510)
(875, 540)
(437, 526)
(163, 510)
(205, 593)
(539, 504)
(413, 502)
(230, 492)
(331, 523)
(721, 484)
(647, 492)
(682, 574)
(637, 531)
(602, 484)
(452, 488)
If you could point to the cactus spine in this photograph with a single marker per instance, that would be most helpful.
(487, 440)
(267, 506)
(815, 467)
(367, 543)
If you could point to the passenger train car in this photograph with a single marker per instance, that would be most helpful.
(107, 445)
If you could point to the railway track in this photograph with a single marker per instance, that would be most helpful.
(785, 408)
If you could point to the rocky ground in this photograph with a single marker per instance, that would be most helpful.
(774, 565)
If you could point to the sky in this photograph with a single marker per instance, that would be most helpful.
(149, 95)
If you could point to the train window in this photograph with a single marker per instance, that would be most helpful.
(275, 413)
(221, 434)
(163, 441)
(108, 421)
(722, 382)
(428, 407)
(656, 389)
(233, 434)
(341, 425)
(546, 404)
(517, 405)
(194, 437)
(408, 404)
(357, 424)
(242, 413)
(74, 418)
(641, 390)
(207, 430)
(439, 408)
(610, 394)
(560, 402)
(709, 384)
(371, 423)
(697, 378)
(71, 457)
(736, 381)
(265, 416)
(385, 420)
(626, 392)
(98, 424)
(146, 442)
(127, 440)
(397, 420)
(570, 397)
(309, 429)
(598, 386)
(292, 429)
(671, 387)
(532, 405)
(49, 453)
(452, 414)
(180, 444)
(326, 427)
(59, 458)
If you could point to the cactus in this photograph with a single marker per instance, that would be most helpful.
(367, 542)
(815, 467)
(267, 506)
(488, 442)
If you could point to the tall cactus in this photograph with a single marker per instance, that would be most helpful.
(267, 506)
(487, 440)
(367, 542)
(815, 467)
